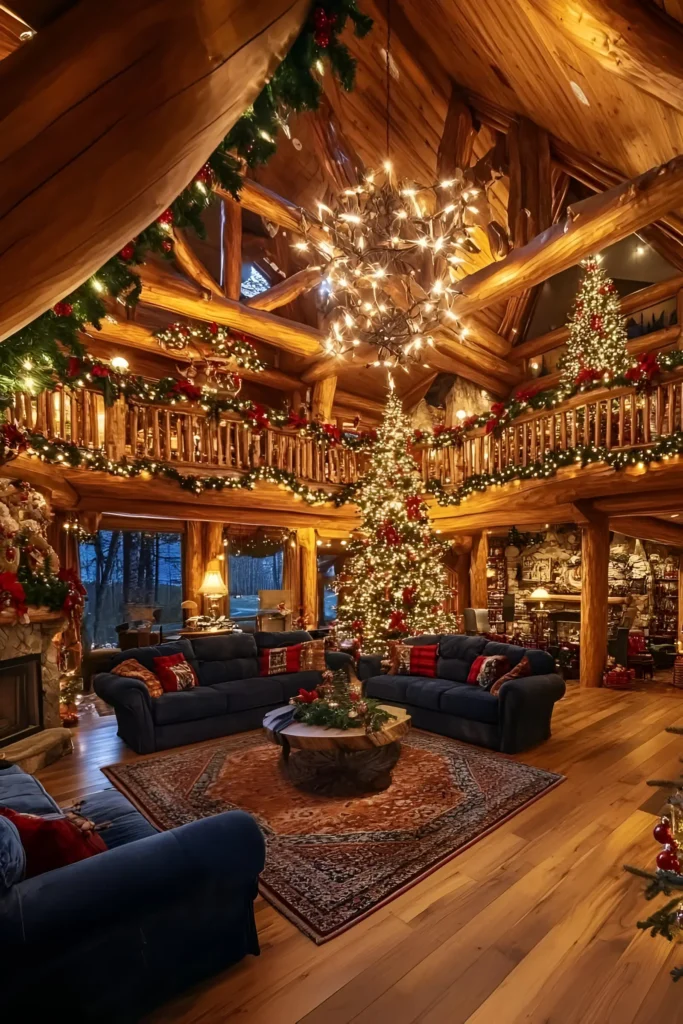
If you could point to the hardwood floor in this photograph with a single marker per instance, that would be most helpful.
(535, 923)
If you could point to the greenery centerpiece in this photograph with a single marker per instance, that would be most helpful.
(336, 705)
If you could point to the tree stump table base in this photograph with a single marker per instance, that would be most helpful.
(342, 772)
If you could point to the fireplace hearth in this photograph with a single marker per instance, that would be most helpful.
(21, 703)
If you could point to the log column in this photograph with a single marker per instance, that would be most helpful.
(213, 548)
(594, 594)
(309, 575)
(323, 399)
(478, 585)
(193, 563)
(231, 222)
(291, 572)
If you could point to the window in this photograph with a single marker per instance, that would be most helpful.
(248, 575)
(326, 575)
(127, 574)
(253, 281)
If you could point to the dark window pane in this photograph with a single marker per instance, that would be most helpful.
(128, 574)
(248, 575)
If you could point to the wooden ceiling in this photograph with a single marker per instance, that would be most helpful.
(522, 59)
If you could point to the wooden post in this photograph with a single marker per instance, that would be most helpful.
(291, 572)
(594, 594)
(213, 548)
(478, 585)
(231, 248)
(323, 399)
(309, 575)
(193, 563)
(679, 635)
(462, 575)
(530, 205)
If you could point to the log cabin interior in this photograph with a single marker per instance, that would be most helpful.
(341, 510)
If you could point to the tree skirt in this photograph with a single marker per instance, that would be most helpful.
(331, 861)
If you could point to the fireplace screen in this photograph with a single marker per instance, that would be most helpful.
(21, 706)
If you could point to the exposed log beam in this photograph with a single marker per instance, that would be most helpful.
(190, 264)
(414, 395)
(339, 160)
(635, 41)
(359, 402)
(476, 358)
(132, 335)
(466, 524)
(231, 248)
(654, 501)
(164, 291)
(530, 199)
(446, 363)
(104, 121)
(595, 222)
(457, 141)
(285, 291)
(644, 297)
(649, 528)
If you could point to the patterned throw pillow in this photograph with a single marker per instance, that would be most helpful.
(521, 669)
(132, 669)
(175, 673)
(306, 657)
(485, 670)
(51, 843)
(414, 660)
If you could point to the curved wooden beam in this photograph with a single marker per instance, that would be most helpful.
(285, 291)
(105, 116)
(633, 40)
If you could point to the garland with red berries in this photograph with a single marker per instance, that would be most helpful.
(30, 357)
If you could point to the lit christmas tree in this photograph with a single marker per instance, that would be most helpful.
(596, 348)
(394, 583)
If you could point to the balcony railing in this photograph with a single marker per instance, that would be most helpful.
(183, 435)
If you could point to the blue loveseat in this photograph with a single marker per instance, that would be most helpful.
(516, 719)
(111, 937)
(231, 697)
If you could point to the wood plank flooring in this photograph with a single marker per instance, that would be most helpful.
(536, 923)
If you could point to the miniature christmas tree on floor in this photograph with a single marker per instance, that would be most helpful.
(394, 583)
(596, 347)
(667, 879)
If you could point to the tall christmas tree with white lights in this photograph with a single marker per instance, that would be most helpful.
(596, 347)
(394, 583)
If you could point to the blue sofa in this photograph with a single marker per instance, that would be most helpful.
(516, 719)
(231, 697)
(112, 937)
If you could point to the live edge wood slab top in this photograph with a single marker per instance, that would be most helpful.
(317, 737)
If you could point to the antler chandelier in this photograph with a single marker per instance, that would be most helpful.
(389, 252)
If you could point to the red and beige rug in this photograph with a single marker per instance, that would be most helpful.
(332, 861)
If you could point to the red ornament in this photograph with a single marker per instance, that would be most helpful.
(307, 696)
(127, 252)
(63, 309)
(398, 622)
(213, 328)
(414, 506)
(10, 554)
(100, 371)
(668, 861)
(74, 367)
(357, 625)
(204, 175)
(409, 595)
(662, 832)
(324, 27)
(596, 322)
(354, 696)
(389, 534)
(166, 217)
(167, 245)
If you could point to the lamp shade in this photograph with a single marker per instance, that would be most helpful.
(539, 592)
(213, 584)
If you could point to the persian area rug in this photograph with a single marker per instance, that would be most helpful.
(332, 861)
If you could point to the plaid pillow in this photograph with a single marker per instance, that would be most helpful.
(275, 661)
(175, 673)
(418, 660)
(521, 669)
(485, 670)
(132, 669)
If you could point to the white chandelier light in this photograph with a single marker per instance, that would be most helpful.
(389, 253)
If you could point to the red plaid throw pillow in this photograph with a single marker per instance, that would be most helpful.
(418, 660)
(521, 669)
(486, 669)
(275, 661)
(175, 673)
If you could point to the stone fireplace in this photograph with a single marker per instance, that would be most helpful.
(21, 698)
(23, 645)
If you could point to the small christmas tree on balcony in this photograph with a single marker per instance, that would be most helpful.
(596, 347)
(394, 584)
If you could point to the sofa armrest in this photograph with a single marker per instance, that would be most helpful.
(133, 705)
(132, 881)
(336, 660)
(369, 665)
(526, 708)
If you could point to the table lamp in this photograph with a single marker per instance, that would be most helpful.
(213, 585)
(540, 592)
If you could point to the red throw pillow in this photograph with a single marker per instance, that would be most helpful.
(486, 669)
(275, 661)
(51, 843)
(414, 659)
(521, 669)
(175, 673)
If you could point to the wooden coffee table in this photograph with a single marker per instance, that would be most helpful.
(340, 762)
